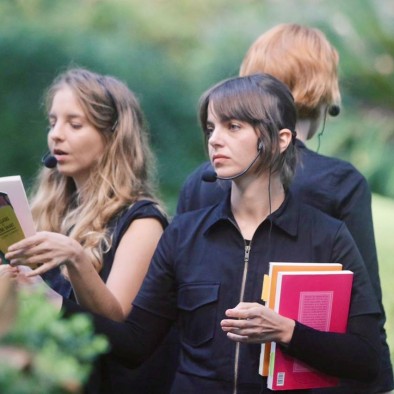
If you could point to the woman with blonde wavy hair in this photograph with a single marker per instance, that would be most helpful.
(97, 216)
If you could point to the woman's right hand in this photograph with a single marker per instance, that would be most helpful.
(46, 250)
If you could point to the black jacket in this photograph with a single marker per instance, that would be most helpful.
(335, 187)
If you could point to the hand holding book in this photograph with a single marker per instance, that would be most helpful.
(251, 322)
(46, 248)
(316, 295)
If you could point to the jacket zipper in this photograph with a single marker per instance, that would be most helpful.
(241, 298)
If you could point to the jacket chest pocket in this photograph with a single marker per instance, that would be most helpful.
(197, 304)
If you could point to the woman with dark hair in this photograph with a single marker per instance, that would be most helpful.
(304, 59)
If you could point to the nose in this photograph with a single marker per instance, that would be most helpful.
(216, 137)
(56, 132)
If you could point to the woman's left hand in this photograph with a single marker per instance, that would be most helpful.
(255, 323)
(7, 271)
(44, 250)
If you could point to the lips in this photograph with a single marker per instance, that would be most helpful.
(59, 152)
(219, 157)
(59, 155)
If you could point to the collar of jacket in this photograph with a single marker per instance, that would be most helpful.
(286, 217)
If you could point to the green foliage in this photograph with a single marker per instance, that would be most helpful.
(170, 51)
(63, 349)
(366, 139)
(383, 211)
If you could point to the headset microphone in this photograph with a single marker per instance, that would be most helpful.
(48, 160)
(211, 176)
(334, 110)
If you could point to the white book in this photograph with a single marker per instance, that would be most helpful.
(13, 187)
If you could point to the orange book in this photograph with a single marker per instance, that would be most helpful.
(269, 291)
(318, 299)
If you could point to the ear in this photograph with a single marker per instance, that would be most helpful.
(285, 137)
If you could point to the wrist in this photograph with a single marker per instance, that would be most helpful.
(77, 256)
(287, 331)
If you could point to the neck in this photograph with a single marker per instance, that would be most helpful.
(251, 203)
(307, 127)
(80, 185)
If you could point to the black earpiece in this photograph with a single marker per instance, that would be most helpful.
(334, 110)
(260, 145)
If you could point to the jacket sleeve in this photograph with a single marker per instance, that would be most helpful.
(356, 212)
(354, 355)
(132, 341)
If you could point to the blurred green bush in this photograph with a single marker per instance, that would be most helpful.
(45, 352)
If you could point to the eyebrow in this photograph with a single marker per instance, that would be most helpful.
(69, 116)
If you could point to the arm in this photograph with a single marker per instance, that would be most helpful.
(133, 255)
(355, 211)
(112, 299)
(132, 341)
(354, 355)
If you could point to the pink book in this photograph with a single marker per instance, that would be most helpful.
(318, 299)
(269, 291)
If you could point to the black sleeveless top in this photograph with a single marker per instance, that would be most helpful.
(109, 376)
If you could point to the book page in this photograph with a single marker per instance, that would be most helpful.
(13, 187)
(10, 229)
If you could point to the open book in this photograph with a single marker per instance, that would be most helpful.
(269, 291)
(16, 221)
(320, 300)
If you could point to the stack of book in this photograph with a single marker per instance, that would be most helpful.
(317, 295)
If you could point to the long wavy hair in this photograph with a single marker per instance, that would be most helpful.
(303, 59)
(123, 175)
(265, 103)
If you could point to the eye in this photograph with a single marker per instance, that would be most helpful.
(234, 126)
(52, 123)
(76, 126)
(209, 130)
